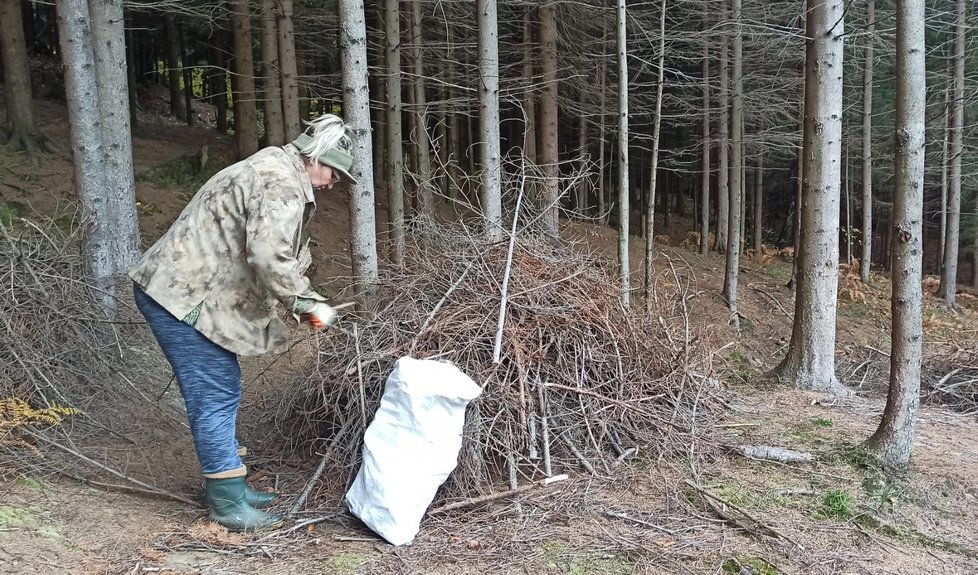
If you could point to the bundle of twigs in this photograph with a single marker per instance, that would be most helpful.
(66, 369)
(580, 384)
(953, 379)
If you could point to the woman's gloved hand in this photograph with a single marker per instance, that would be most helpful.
(320, 315)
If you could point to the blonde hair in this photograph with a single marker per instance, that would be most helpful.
(326, 132)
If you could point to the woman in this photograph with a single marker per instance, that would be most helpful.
(209, 289)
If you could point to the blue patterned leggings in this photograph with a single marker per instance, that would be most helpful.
(210, 381)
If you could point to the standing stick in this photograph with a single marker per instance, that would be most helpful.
(497, 350)
(541, 390)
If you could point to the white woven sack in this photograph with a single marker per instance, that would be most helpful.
(411, 446)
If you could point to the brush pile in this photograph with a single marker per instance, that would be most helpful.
(581, 385)
(66, 370)
(951, 378)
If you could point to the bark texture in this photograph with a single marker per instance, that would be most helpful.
(271, 76)
(356, 107)
(723, 141)
(949, 277)
(735, 219)
(290, 74)
(623, 195)
(245, 111)
(425, 201)
(810, 363)
(654, 169)
(394, 150)
(491, 194)
(707, 143)
(549, 199)
(894, 438)
(866, 259)
(113, 97)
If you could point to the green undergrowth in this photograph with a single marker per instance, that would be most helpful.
(749, 565)
(346, 563)
(10, 212)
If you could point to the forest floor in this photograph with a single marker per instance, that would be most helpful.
(835, 514)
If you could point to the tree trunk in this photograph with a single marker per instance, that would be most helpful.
(549, 201)
(81, 88)
(395, 153)
(602, 216)
(22, 131)
(759, 205)
(93, 50)
(867, 199)
(489, 118)
(271, 76)
(653, 175)
(894, 438)
(188, 77)
(173, 68)
(529, 97)
(426, 201)
(131, 75)
(949, 278)
(723, 142)
(290, 74)
(737, 204)
(623, 207)
(800, 180)
(847, 178)
(444, 156)
(219, 88)
(946, 125)
(810, 363)
(707, 143)
(113, 94)
(356, 109)
(245, 112)
(583, 159)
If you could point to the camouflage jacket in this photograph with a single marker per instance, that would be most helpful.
(237, 250)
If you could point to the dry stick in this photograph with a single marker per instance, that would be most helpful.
(948, 376)
(577, 453)
(319, 470)
(363, 391)
(707, 496)
(40, 373)
(497, 350)
(621, 404)
(639, 521)
(129, 489)
(541, 390)
(494, 496)
(776, 302)
(118, 474)
(437, 307)
(296, 527)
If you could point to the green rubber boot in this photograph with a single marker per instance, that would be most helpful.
(258, 499)
(230, 508)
